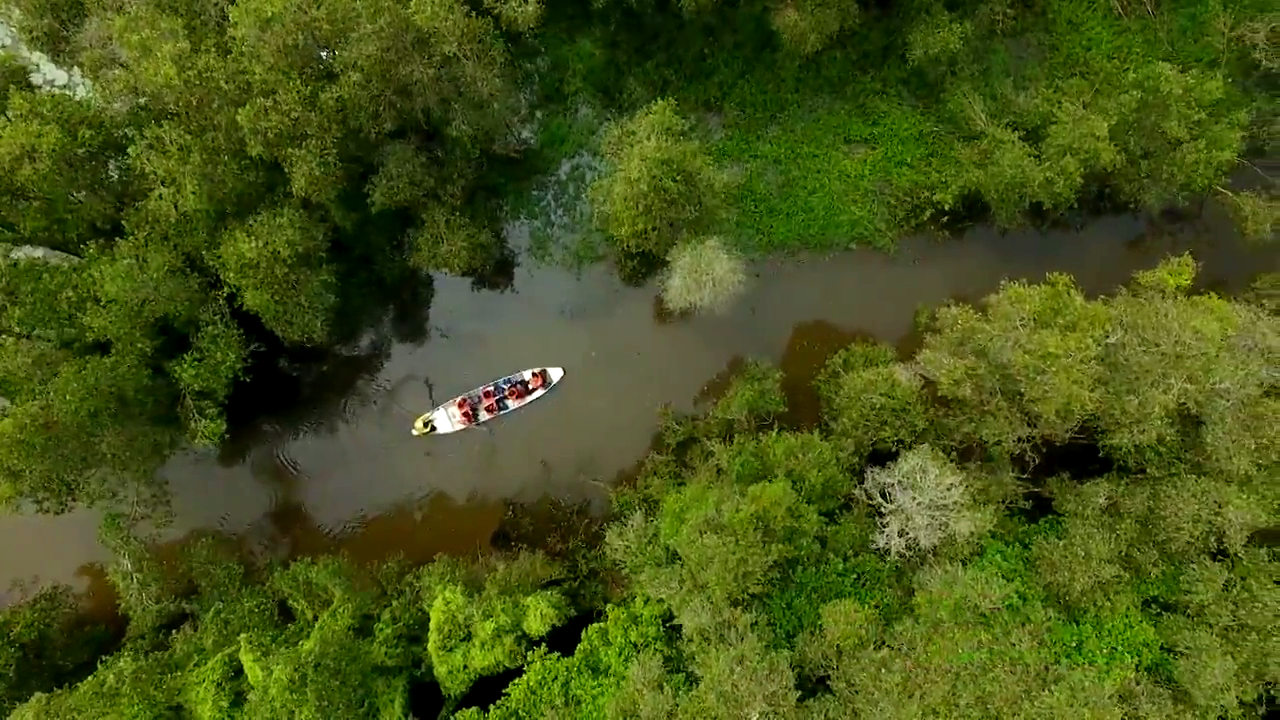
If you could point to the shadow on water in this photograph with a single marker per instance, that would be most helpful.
(639, 267)
(306, 389)
(425, 699)
(408, 320)
(291, 391)
(1266, 537)
(415, 532)
(487, 690)
(310, 392)
(557, 526)
(811, 345)
(500, 276)
(719, 384)
(664, 315)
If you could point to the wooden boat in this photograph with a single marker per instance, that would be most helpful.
(488, 401)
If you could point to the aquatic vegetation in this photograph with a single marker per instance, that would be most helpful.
(702, 275)
(757, 569)
(558, 219)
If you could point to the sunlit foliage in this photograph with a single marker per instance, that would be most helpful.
(45, 645)
(923, 501)
(1155, 133)
(752, 400)
(871, 402)
(317, 639)
(1257, 212)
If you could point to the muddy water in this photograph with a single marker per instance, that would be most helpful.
(347, 473)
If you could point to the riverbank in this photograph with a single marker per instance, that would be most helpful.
(931, 541)
(340, 451)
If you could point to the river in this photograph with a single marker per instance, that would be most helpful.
(342, 471)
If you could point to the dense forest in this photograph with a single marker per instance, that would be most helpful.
(232, 184)
(1057, 508)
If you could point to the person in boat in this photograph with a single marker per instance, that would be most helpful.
(513, 393)
(464, 411)
(491, 397)
(537, 381)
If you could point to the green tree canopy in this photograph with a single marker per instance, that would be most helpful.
(241, 176)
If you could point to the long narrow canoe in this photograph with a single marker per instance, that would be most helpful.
(488, 401)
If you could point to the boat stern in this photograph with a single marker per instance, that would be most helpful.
(424, 425)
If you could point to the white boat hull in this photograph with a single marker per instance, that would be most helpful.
(447, 418)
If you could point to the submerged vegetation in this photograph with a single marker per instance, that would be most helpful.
(1054, 509)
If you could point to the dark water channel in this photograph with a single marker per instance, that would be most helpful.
(342, 471)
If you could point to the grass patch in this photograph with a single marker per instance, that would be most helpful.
(836, 174)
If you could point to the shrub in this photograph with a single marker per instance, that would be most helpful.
(661, 186)
(807, 26)
(703, 275)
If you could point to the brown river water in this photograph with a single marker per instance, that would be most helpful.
(344, 472)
